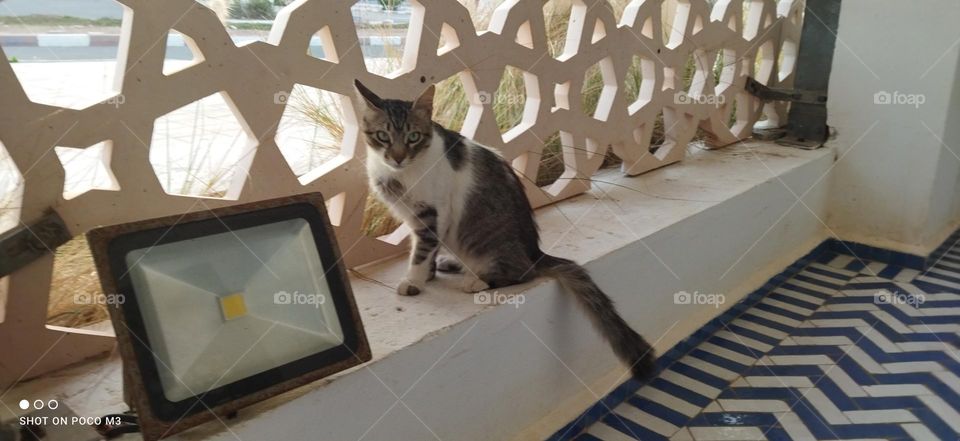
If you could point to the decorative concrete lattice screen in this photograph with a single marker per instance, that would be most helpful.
(247, 130)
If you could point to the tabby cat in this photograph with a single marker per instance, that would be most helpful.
(463, 197)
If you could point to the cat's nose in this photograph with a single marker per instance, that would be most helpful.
(397, 155)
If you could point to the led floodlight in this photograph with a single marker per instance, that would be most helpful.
(226, 307)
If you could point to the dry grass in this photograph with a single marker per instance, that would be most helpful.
(74, 277)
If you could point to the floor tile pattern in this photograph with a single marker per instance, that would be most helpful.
(845, 348)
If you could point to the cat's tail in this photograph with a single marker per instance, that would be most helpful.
(632, 349)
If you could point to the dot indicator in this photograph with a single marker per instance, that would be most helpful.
(24, 404)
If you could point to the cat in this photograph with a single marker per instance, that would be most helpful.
(464, 197)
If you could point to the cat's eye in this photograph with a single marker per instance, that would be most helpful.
(382, 136)
(413, 137)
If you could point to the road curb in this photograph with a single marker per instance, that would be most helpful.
(59, 40)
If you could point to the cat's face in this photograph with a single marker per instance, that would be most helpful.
(396, 131)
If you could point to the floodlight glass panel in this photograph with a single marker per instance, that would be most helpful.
(227, 306)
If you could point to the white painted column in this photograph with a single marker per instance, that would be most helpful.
(895, 104)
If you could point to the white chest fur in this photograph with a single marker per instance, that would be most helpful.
(427, 180)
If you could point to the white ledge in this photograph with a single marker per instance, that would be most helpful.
(721, 222)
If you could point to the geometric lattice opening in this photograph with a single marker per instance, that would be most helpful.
(251, 22)
(382, 28)
(311, 133)
(73, 70)
(181, 52)
(725, 69)
(599, 89)
(752, 13)
(449, 40)
(335, 208)
(763, 64)
(525, 35)
(738, 110)
(696, 72)
(481, 12)
(674, 16)
(639, 83)
(11, 191)
(561, 96)
(686, 76)
(599, 31)
(680, 80)
(556, 15)
(202, 149)
(87, 169)
(656, 136)
(322, 46)
(551, 159)
(787, 59)
(378, 221)
(451, 104)
(516, 101)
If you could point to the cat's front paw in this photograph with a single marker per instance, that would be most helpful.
(447, 264)
(472, 284)
(408, 287)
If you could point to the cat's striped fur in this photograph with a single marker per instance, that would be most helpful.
(464, 198)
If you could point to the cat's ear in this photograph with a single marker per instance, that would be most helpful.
(424, 102)
(373, 101)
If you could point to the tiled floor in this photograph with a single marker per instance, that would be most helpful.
(843, 349)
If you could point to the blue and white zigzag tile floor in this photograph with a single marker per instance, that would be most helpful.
(835, 348)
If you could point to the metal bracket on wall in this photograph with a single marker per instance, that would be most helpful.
(793, 95)
(807, 122)
(24, 244)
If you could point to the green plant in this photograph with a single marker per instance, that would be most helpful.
(14, 60)
(390, 5)
(252, 9)
(250, 26)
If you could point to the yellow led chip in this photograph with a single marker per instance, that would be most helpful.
(233, 306)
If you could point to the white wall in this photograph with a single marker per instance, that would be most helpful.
(896, 184)
(724, 224)
(951, 153)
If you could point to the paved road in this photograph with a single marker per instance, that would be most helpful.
(27, 54)
(90, 9)
(365, 11)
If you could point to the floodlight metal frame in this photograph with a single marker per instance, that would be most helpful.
(160, 417)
